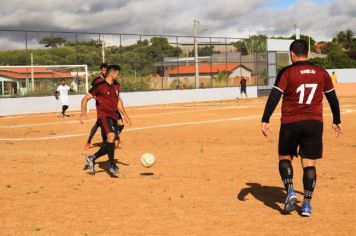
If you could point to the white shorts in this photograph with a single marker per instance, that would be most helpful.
(64, 101)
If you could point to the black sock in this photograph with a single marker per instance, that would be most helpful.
(105, 149)
(121, 127)
(111, 153)
(92, 132)
(64, 108)
(103, 135)
(309, 181)
(286, 172)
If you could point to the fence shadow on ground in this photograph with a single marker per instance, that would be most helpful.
(270, 196)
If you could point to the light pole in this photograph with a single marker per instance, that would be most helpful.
(196, 56)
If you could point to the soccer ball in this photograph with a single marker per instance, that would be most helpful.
(148, 159)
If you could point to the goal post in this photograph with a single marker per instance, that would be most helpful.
(42, 80)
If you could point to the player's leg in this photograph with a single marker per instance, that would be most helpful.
(91, 135)
(64, 108)
(108, 148)
(287, 148)
(120, 124)
(309, 181)
(111, 141)
(311, 148)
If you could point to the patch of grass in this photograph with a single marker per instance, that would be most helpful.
(36, 229)
(8, 186)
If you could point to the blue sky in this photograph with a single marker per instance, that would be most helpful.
(286, 3)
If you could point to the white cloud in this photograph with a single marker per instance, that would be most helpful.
(225, 17)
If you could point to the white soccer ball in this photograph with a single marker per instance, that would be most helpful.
(148, 160)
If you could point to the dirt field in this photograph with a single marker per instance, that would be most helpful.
(215, 174)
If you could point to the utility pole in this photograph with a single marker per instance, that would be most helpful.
(32, 74)
(196, 58)
(103, 50)
(102, 45)
(297, 32)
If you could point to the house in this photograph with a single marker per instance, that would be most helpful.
(223, 74)
(18, 80)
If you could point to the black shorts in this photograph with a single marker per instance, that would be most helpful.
(118, 116)
(305, 135)
(108, 124)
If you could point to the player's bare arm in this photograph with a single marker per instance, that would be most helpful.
(121, 108)
(84, 103)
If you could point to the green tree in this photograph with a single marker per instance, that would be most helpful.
(335, 60)
(254, 44)
(331, 47)
(346, 39)
(53, 42)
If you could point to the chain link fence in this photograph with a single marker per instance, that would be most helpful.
(149, 62)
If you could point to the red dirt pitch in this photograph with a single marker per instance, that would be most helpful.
(215, 174)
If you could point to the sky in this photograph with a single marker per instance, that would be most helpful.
(322, 19)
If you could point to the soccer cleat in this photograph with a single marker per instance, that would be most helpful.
(290, 202)
(90, 162)
(114, 169)
(306, 210)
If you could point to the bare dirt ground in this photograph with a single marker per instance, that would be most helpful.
(215, 174)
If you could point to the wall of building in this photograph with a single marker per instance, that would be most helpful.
(26, 105)
(344, 75)
(240, 72)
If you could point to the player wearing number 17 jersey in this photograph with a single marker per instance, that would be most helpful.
(302, 85)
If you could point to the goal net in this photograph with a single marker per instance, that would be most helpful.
(42, 80)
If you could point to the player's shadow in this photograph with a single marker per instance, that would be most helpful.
(270, 196)
(104, 166)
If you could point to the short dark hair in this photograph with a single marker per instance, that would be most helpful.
(104, 65)
(113, 68)
(299, 47)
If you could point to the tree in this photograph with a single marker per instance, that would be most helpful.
(336, 59)
(203, 51)
(331, 47)
(346, 39)
(53, 42)
(254, 44)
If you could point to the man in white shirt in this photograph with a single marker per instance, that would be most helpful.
(62, 95)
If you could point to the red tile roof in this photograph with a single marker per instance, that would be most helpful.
(23, 73)
(206, 68)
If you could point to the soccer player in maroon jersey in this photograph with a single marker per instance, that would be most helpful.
(302, 85)
(100, 78)
(106, 94)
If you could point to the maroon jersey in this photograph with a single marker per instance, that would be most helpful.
(243, 83)
(107, 97)
(303, 85)
(97, 80)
